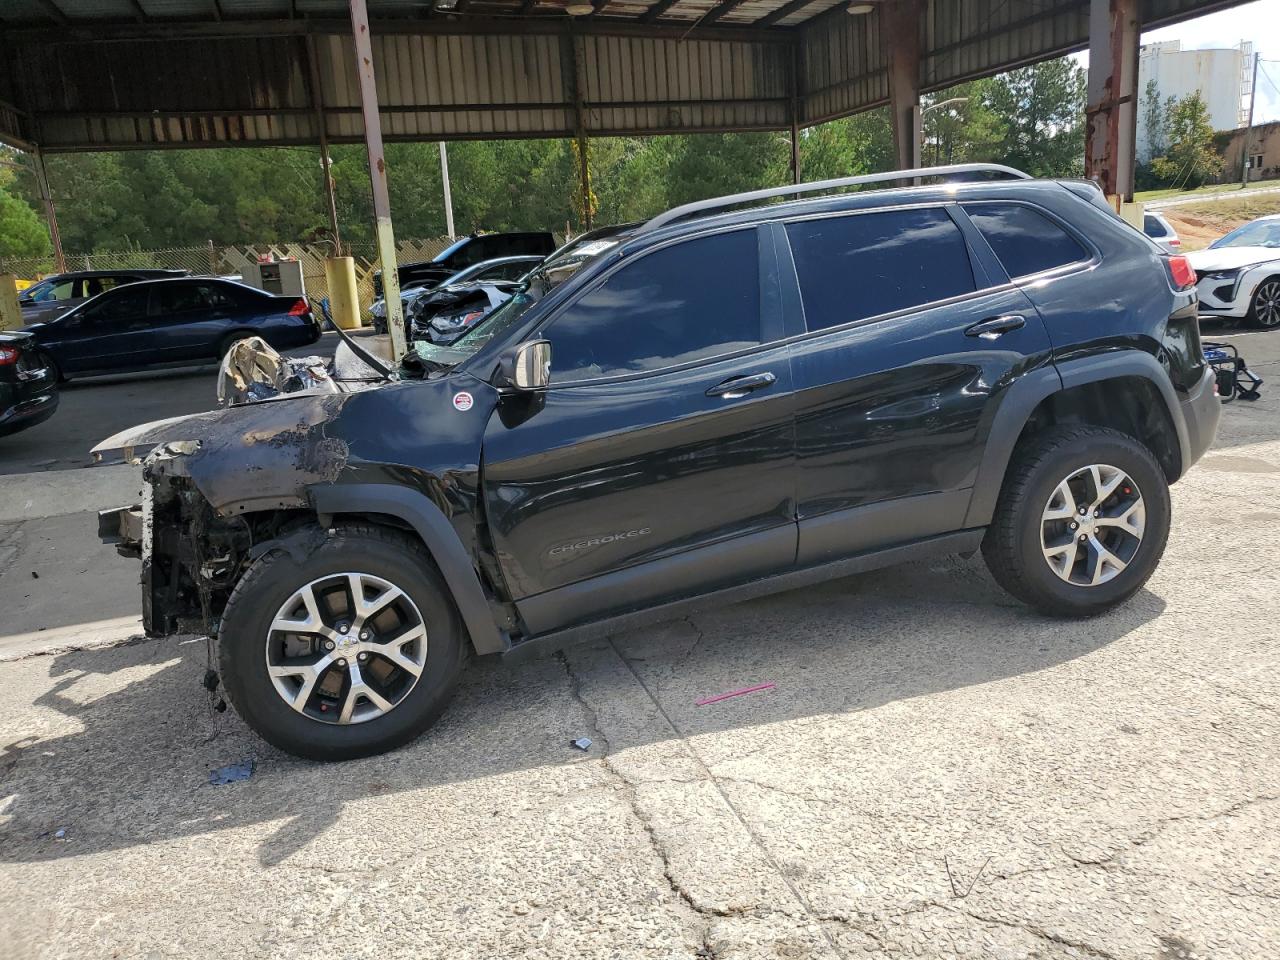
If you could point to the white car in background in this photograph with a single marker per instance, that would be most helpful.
(1155, 226)
(1239, 275)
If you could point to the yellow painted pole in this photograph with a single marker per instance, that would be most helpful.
(10, 312)
(344, 301)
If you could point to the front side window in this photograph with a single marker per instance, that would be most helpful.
(50, 290)
(868, 264)
(126, 304)
(685, 302)
(1025, 241)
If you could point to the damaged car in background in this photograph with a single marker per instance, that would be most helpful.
(730, 400)
(421, 301)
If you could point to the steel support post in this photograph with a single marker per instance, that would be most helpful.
(378, 178)
(1111, 118)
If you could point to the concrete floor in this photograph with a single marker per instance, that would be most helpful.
(939, 772)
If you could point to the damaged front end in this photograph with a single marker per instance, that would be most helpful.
(219, 489)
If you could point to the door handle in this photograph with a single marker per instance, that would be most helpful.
(994, 327)
(736, 387)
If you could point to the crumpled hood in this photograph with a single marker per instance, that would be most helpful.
(134, 443)
(1229, 258)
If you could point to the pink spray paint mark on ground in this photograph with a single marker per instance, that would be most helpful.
(735, 693)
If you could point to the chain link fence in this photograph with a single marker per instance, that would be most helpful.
(212, 260)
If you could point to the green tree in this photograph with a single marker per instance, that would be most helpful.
(1191, 159)
(965, 132)
(1041, 111)
(22, 231)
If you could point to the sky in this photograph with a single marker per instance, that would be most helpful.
(1258, 21)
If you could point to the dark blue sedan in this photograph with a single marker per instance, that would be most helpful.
(170, 322)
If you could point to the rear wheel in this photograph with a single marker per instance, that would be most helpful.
(230, 340)
(1264, 308)
(1081, 522)
(47, 361)
(352, 652)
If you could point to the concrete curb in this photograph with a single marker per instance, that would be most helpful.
(31, 496)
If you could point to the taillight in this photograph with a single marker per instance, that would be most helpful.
(299, 309)
(1181, 273)
(1174, 242)
(8, 355)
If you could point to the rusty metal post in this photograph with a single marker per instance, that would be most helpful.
(50, 214)
(378, 178)
(322, 134)
(900, 34)
(793, 109)
(1111, 118)
(580, 129)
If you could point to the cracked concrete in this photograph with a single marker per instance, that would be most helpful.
(938, 773)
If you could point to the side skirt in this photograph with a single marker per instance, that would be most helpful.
(965, 541)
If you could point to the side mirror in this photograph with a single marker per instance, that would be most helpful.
(527, 366)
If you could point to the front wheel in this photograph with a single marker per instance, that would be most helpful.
(1081, 523)
(1264, 308)
(354, 651)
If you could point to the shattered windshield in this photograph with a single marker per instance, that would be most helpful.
(540, 281)
(1260, 233)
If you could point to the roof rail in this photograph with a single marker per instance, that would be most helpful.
(716, 203)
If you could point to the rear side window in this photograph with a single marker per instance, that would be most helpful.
(1152, 227)
(688, 301)
(855, 267)
(1026, 242)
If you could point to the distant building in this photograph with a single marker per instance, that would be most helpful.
(1222, 76)
(1264, 152)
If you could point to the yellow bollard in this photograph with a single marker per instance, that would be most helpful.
(344, 301)
(10, 312)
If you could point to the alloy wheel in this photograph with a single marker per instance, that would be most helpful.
(346, 648)
(1092, 525)
(1266, 303)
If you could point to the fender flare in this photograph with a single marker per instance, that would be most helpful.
(1022, 398)
(437, 534)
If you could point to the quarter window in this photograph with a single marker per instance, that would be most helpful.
(860, 266)
(685, 302)
(1026, 242)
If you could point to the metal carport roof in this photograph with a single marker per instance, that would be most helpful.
(120, 74)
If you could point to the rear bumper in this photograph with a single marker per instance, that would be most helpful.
(27, 411)
(1201, 411)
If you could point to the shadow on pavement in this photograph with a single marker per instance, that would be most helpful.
(136, 770)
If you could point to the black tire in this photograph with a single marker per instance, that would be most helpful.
(47, 359)
(1012, 547)
(268, 583)
(1264, 305)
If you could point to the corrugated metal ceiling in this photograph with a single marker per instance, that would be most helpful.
(116, 74)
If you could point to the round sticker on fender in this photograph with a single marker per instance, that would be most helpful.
(462, 401)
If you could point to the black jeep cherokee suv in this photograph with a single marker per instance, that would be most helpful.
(720, 403)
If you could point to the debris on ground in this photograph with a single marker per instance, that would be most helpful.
(231, 773)
(60, 833)
(734, 693)
(582, 743)
(253, 371)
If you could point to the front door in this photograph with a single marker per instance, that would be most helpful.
(906, 348)
(660, 462)
(105, 334)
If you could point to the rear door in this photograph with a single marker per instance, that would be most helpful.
(660, 462)
(192, 317)
(907, 343)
